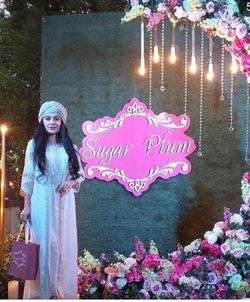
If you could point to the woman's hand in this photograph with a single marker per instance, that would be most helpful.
(66, 186)
(25, 213)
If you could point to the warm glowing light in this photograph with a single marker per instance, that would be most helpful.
(4, 129)
(172, 57)
(210, 74)
(156, 57)
(193, 66)
(234, 65)
(142, 69)
(11, 184)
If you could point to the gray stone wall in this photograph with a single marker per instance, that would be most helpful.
(89, 64)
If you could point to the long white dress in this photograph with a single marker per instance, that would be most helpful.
(53, 221)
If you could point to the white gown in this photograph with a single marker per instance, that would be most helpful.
(53, 221)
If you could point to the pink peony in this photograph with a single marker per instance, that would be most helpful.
(221, 225)
(241, 30)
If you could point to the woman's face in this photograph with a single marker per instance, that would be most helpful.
(52, 123)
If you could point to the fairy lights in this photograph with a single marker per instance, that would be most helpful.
(172, 57)
(193, 66)
(142, 65)
(210, 74)
(156, 57)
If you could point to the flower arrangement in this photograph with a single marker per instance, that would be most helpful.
(220, 18)
(216, 267)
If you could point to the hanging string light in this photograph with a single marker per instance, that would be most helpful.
(142, 65)
(186, 69)
(247, 153)
(193, 66)
(156, 57)
(222, 69)
(162, 86)
(150, 68)
(234, 65)
(201, 97)
(172, 57)
(210, 74)
(231, 127)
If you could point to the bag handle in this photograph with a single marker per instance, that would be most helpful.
(21, 228)
(27, 231)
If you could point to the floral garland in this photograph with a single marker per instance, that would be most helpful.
(217, 267)
(218, 17)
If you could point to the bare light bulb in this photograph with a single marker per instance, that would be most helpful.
(172, 57)
(234, 65)
(142, 70)
(193, 66)
(156, 57)
(210, 74)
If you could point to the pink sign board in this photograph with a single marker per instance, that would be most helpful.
(136, 147)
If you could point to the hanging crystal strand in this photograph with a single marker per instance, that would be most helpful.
(156, 57)
(201, 97)
(193, 66)
(150, 68)
(186, 69)
(247, 159)
(231, 128)
(142, 65)
(162, 87)
(222, 78)
(210, 74)
(172, 57)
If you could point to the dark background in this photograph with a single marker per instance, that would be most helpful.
(89, 64)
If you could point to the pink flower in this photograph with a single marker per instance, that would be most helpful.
(225, 248)
(246, 177)
(223, 24)
(147, 285)
(154, 19)
(212, 278)
(156, 287)
(147, 12)
(210, 7)
(227, 15)
(237, 253)
(242, 234)
(150, 260)
(244, 208)
(241, 30)
(140, 250)
(235, 22)
(161, 8)
(144, 294)
(230, 268)
(221, 225)
(161, 276)
(134, 2)
(222, 32)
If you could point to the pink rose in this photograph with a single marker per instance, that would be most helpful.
(242, 234)
(223, 24)
(231, 233)
(241, 30)
(237, 253)
(210, 7)
(221, 225)
(227, 15)
(225, 248)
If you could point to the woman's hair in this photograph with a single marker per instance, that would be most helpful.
(41, 137)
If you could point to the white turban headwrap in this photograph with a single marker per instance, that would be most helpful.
(52, 107)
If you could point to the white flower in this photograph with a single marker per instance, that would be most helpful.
(179, 12)
(121, 282)
(218, 231)
(236, 219)
(210, 237)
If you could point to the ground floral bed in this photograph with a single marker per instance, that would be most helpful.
(216, 267)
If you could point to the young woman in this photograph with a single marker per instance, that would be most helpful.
(52, 174)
